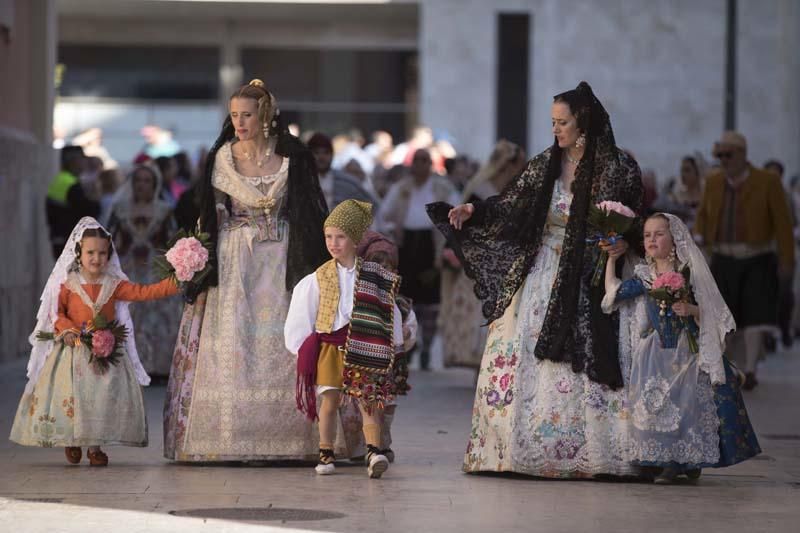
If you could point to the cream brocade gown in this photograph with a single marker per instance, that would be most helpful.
(535, 416)
(231, 394)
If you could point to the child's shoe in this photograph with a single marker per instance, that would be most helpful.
(73, 454)
(377, 463)
(389, 454)
(666, 477)
(97, 457)
(325, 467)
(694, 474)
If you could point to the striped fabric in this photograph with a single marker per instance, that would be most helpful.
(370, 344)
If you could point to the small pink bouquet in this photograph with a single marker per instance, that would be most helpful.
(609, 221)
(670, 288)
(186, 259)
(104, 339)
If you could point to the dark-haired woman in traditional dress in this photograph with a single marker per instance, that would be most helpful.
(231, 394)
(550, 399)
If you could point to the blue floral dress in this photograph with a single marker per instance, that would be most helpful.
(678, 418)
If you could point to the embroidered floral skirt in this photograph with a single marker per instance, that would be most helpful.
(538, 417)
(231, 392)
(76, 403)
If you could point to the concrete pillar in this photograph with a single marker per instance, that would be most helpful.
(231, 71)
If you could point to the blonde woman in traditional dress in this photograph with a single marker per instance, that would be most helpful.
(231, 394)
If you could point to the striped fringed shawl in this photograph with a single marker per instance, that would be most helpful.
(370, 351)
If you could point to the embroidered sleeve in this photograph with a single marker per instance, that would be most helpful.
(302, 313)
(63, 322)
(630, 288)
(134, 292)
(620, 291)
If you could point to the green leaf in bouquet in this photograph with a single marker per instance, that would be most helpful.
(662, 293)
(45, 336)
(100, 322)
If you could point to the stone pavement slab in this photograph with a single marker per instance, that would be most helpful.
(423, 491)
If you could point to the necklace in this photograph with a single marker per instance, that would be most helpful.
(570, 159)
(259, 161)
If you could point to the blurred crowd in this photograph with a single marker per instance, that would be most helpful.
(144, 201)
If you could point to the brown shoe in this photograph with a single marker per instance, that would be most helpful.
(97, 458)
(73, 454)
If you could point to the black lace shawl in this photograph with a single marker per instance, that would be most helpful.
(305, 208)
(498, 246)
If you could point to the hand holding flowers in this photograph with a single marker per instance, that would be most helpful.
(186, 261)
(104, 339)
(671, 291)
(609, 221)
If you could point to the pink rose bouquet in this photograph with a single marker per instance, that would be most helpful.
(186, 260)
(104, 339)
(103, 343)
(609, 221)
(187, 257)
(668, 289)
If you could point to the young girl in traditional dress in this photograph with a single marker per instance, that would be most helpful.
(687, 409)
(345, 326)
(70, 400)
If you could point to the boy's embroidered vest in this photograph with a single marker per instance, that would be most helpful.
(328, 280)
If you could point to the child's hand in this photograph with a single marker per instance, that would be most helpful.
(615, 250)
(684, 309)
(70, 339)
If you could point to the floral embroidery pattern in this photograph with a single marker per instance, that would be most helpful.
(655, 411)
(499, 393)
(69, 407)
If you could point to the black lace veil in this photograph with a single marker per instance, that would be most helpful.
(499, 244)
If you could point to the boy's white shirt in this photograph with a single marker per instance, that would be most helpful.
(302, 317)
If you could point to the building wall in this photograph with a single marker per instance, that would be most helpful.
(26, 165)
(768, 77)
(659, 71)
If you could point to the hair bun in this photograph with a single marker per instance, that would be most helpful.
(255, 82)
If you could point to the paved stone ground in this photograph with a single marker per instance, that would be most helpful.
(423, 491)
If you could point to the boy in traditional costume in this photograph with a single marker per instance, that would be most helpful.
(346, 328)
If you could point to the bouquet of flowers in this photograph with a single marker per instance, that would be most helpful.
(668, 289)
(103, 338)
(186, 260)
(610, 221)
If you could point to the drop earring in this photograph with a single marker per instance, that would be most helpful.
(581, 141)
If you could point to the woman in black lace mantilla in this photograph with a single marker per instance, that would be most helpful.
(549, 399)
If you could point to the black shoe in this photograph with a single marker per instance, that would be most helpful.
(325, 467)
(750, 381)
(787, 339)
(769, 343)
(389, 454)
